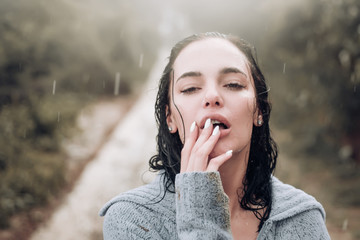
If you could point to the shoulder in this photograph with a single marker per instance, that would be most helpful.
(305, 225)
(289, 201)
(143, 212)
(296, 214)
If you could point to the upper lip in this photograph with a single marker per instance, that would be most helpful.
(217, 117)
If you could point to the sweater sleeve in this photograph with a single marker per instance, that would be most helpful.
(126, 220)
(202, 207)
(308, 225)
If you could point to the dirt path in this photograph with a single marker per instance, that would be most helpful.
(120, 164)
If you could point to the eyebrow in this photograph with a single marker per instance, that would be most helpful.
(189, 74)
(223, 71)
(232, 70)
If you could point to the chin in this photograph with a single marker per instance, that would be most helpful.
(213, 155)
(218, 150)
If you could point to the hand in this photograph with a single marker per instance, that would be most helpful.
(196, 150)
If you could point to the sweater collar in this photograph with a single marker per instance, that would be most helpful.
(289, 201)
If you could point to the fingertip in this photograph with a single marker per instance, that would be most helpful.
(215, 163)
(207, 123)
(192, 136)
(216, 131)
(229, 153)
(193, 125)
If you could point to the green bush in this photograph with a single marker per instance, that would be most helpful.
(55, 58)
(31, 168)
(313, 60)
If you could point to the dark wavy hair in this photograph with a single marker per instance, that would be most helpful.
(257, 193)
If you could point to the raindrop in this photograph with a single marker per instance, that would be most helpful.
(344, 57)
(345, 152)
(54, 87)
(354, 88)
(59, 115)
(141, 60)
(284, 68)
(353, 12)
(117, 83)
(268, 90)
(345, 224)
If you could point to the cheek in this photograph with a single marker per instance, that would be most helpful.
(180, 120)
(185, 112)
(245, 119)
(247, 106)
(244, 113)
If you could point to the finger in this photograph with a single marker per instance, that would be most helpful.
(195, 157)
(204, 135)
(215, 163)
(202, 154)
(188, 146)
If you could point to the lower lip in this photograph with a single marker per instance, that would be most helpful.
(224, 132)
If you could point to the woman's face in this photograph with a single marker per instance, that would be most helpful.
(212, 80)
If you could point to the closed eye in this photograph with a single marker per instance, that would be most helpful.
(189, 90)
(234, 86)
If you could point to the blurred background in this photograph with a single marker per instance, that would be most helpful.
(58, 59)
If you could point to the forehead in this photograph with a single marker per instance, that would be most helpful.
(207, 54)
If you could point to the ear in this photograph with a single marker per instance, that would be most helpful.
(258, 118)
(170, 121)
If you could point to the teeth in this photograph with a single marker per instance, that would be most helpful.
(215, 122)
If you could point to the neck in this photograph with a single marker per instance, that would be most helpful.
(232, 174)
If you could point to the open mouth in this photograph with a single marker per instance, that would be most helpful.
(220, 124)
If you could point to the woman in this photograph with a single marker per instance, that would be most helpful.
(215, 156)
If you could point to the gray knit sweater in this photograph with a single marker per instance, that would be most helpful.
(199, 210)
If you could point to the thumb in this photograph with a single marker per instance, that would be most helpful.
(215, 163)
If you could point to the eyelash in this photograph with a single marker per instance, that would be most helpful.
(232, 86)
(189, 90)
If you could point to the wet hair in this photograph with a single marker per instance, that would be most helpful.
(256, 195)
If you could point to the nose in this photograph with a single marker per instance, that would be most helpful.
(212, 98)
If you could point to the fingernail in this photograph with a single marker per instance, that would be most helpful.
(192, 127)
(216, 130)
(207, 123)
(228, 153)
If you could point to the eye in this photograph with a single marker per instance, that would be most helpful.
(189, 90)
(234, 86)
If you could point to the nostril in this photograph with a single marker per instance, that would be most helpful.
(216, 104)
(208, 103)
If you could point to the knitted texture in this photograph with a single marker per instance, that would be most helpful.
(199, 210)
(201, 207)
